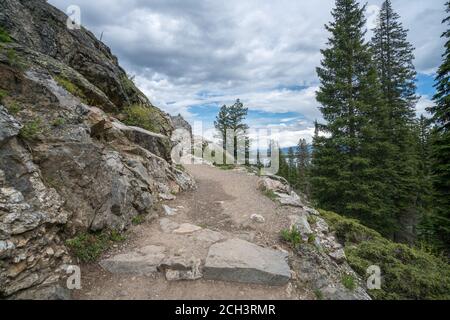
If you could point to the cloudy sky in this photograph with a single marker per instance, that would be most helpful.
(192, 56)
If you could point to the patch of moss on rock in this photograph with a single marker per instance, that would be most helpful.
(14, 60)
(70, 87)
(140, 116)
(4, 36)
(14, 108)
(3, 94)
(349, 282)
(408, 273)
(349, 230)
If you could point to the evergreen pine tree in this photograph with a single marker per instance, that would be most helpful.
(303, 164)
(441, 147)
(232, 118)
(259, 164)
(425, 199)
(237, 114)
(283, 170)
(343, 174)
(292, 177)
(393, 56)
(222, 124)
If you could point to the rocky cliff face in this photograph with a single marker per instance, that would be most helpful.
(67, 163)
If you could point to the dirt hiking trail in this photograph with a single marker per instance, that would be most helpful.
(222, 241)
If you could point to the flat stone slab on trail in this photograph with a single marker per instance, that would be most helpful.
(167, 225)
(187, 228)
(143, 262)
(237, 260)
(208, 236)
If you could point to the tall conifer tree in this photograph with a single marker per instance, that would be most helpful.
(441, 146)
(232, 119)
(344, 174)
(303, 165)
(393, 55)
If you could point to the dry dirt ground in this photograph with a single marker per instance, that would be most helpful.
(223, 202)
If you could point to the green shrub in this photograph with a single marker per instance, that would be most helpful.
(349, 230)
(89, 246)
(139, 219)
(14, 108)
(58, 122)
(292, 237)
(31, 129)
(3, 94)
(311, 238)
(318, 294)
(312, 220)
(70, 87)
(226, 166)
(128, 83)
(139, 116)
(349, 282)
(270, 194)
(407, 272)
(14, 60)
(4, 36)
(116, 236)
(180, 167)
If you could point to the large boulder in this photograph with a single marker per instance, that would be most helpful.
(291, 199)
(237, 260)
(273, 185)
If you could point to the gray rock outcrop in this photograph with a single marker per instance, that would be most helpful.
(68, 164)
(320, 261)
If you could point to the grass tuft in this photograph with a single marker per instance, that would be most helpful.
(139, 219)
(31, 129)
(225, 166)
(88, 247)
(70, 87)
(14, 108)
(3, 94)
(319, 294)
(292, 237)
(270, 194)
(58, 122)
(312, 220)
(4, 36)
(311, 238)
(14, 60)
(349, 282)
(139, 116)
